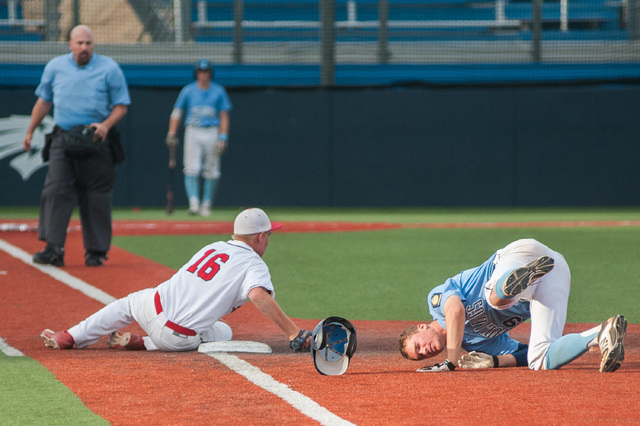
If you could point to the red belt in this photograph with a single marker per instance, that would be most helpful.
(172, 325)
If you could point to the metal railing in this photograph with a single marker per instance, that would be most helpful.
(173, 30)
(13, 20)
(352, 21)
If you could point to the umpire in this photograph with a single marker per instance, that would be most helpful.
(84, 89)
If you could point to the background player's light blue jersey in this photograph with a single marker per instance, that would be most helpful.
(485, 328)
(202, 107)
(82, 94)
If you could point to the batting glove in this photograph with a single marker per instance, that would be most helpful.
(443, 366)
(172, 140)
(478, 360)
(221, 147)
(297, 344)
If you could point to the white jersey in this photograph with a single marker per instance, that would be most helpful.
(215, 282)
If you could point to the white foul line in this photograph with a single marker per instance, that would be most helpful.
(304, 404)
(60, 275)
(9, 350)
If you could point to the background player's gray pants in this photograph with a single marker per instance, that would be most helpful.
(91, 182)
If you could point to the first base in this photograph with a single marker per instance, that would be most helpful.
(235, 346)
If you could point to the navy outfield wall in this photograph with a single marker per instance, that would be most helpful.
(398, 146)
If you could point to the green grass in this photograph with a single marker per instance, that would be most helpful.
(31, 395)
(386, 275)
(388, 214)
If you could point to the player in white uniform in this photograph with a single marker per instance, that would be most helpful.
(185, 310)
(205, 107)
(475, 310)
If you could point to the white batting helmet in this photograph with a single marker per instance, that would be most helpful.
(333, 343)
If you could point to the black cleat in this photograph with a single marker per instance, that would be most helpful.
(524, 276)
(95, 259)
(50, 256)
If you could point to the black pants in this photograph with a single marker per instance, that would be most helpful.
(90, 182)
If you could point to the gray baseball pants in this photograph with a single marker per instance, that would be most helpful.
(88, 181)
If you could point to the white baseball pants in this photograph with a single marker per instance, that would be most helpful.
(548, 298)
(140, 307)
(200, 152)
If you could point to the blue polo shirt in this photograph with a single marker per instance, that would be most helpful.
(202, 107)
(486, 329)
(82, 95)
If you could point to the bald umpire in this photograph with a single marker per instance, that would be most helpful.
(87, 91)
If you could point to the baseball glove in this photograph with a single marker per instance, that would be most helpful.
(478, 360)
(443, 366)
(172, 140)
(221, 147)
(297, 344)
(78, 142)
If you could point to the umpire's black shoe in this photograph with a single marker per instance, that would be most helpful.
(95, 258)
(50, 256)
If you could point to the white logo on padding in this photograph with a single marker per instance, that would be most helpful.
(12, 131)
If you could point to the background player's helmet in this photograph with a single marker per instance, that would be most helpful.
(203, 65)
(333, 343)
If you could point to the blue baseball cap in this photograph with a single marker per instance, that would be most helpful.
(203, 65)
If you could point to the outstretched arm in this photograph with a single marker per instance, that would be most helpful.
(454, 318)
(267, 305)
(482, 360)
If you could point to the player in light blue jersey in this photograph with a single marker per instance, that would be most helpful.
(475, 310)
(205, 107)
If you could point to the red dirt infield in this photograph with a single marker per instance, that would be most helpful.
(379, 388)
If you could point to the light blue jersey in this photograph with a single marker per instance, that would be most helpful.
(82, 95)
(202, 107)
(486, 329)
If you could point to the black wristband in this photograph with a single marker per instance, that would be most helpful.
(450, 364)
(496, 361)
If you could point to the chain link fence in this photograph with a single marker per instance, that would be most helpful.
(334, 42)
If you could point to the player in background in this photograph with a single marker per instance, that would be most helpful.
(475, 310)
(205, 107)
(185, 310)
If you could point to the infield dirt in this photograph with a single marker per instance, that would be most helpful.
(379, 388)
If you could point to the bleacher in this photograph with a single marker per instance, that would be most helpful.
(433, 41)
(357, 20)
(409, 20)
(582, 14)
(13, 27)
